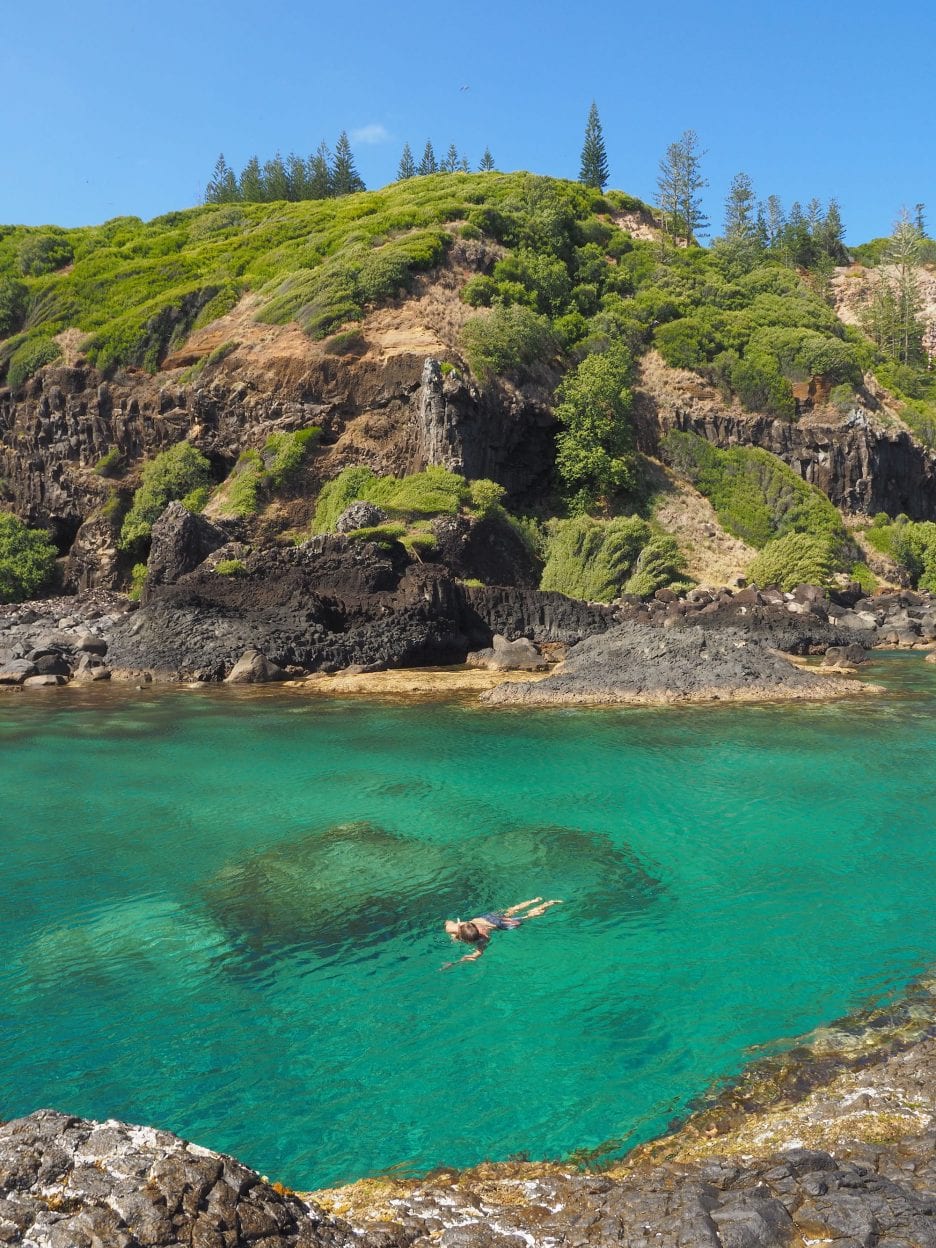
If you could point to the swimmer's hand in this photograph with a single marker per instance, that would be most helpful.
(445, 966)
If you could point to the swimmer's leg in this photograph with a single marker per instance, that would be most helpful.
(533, 914)
(522, 905)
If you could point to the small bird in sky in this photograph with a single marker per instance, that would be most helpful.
(466, 87)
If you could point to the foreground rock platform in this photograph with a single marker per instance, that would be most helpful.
(70, 1183)
(832, 1141)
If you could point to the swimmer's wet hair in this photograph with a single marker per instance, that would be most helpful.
(470, 933)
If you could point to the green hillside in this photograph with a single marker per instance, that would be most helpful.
(562, 290)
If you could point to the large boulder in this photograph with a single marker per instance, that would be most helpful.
(254, 668)
(508, 656)
(359, 515)
(181, 541)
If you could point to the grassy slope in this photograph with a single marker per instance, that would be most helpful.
(138, 289)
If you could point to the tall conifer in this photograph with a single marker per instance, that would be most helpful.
(487, 161)
(320, 176)
(407, 166)
(345, 177)
(594, 170)
(251, 182)
(428, 164)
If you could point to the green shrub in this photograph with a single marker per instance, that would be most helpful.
(592, 559)
(259, 474)
(111, 463)
(43, 253)
(479, 291)
(13, 299)
(508, 342)
(173, 474)
(660, 564)
(595, 455)
(27, 559)
(29, 358)
(196, 500)
(351, 342)
(794, 559)
(761, 388)
(230, 567)
(137, 582)
(485, 496)
(380, 533)
(843, 397)
(434, 492)
(861, 573)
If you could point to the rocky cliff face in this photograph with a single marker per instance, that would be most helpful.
(863, 464)
(397, 415)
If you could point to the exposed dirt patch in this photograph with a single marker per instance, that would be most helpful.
(713, 557)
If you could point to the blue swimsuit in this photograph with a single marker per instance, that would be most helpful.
(501, 921)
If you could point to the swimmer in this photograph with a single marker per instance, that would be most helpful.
(477, 931)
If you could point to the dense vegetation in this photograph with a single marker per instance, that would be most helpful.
(759, 499)
(910, 544)
(601, 559)
(259, 474)
(27, 559)
(564, 297)
(182, 473)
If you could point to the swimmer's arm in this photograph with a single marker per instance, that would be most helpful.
(469, 957)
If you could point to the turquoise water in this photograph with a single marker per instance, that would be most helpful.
(222, 911)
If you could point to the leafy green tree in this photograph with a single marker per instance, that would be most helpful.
(486, 164)
(904, 255)
(345, 177)
(594, 166)
(250, 183)
(222, 188)
(509, 342)
(173, 474)
(320, 173)
(678, 185)
(595, 453)
(407, 166)
(774, 223)
(428, 164)
(830, 234)
(27, 559)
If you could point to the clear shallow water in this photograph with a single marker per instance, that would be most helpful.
(222, 912)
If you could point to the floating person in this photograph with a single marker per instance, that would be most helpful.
(477, 931)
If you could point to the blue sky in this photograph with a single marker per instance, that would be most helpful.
(116, 107)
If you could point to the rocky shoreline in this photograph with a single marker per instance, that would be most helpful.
(338, 605)
(830, 1141)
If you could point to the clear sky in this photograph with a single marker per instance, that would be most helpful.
(115, 107)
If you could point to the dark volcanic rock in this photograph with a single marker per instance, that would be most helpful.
(181, 540)
(329, 604)
(70, 1183)
(638, 662)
